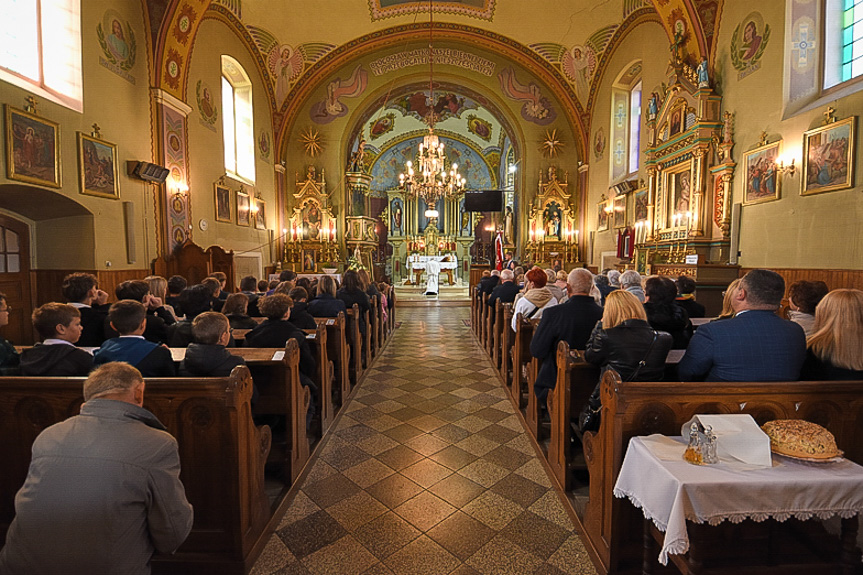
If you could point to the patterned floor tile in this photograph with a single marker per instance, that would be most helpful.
(427, 470)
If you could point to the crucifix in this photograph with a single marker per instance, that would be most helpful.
(30, 106)
(828, 115)
(96, 133)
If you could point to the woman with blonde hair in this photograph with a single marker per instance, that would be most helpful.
(834, 349)
(159, 288)
(625, 342)
(727, 298)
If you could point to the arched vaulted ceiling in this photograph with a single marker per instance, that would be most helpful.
(564, 43)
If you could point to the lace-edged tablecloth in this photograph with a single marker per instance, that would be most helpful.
(670, 491)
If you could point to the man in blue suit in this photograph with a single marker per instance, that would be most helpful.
(754, 345)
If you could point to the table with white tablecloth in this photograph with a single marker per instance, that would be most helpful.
(417, 264)
(671, 491)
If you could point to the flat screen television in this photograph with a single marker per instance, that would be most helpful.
(483, 201)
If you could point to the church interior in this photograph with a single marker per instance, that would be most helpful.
(674, 137)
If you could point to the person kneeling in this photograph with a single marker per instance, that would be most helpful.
(103, 491)
(129, 319)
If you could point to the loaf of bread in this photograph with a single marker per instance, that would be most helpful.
(799, 438)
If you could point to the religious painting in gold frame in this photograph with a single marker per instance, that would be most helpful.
(260, 215)
(32, 148)
(678, 191)
(244, 211)
(223, 203)
(828, 157)
(602, 216)
(97, 164)
(761, 176)
(619, 211)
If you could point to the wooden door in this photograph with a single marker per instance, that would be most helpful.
(15, 279)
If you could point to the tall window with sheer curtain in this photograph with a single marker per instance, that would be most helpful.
(40, 49)
(237, 121)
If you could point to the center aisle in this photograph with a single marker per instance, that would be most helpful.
(428, 471)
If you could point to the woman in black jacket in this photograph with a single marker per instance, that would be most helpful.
(663, 313)
(325, 303)
(352, 293)
(625, 342)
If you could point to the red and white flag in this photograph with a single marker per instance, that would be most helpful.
(498, 251)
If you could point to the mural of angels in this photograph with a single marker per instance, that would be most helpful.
(285, 62)
(331, 107)
(536, 108)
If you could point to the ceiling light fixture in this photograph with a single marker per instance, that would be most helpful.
(431, 180)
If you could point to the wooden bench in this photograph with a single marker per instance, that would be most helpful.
(507, 338)
(338, 352)
(497, 332)
(281, 393)
(355, 369)
(611, 527)
(222, 456)
(324, 376)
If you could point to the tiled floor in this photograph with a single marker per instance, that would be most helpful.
(429, 471)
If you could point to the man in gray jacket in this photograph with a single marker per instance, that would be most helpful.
(103, 490)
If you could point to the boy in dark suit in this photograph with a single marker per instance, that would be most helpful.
(208, 356)
(129, 319)
(82, 291)
(59, 326)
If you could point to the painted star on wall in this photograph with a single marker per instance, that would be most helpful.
(552, 145)
(312, 142)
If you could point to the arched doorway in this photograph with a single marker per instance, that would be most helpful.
(15, 279)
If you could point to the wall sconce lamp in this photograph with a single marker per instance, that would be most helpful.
(788, 170)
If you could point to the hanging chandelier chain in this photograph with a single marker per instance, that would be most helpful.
(431, 181)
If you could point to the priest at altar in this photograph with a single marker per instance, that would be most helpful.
(419, 264)
(432, 275)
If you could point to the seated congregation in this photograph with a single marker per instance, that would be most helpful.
(235, 401)
(618, 355)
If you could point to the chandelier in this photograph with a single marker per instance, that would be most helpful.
(430, 179)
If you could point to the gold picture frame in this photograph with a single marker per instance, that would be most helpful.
(761, 180)
(32, 148)
(244, 211)
(98, 167)
(260, 214)
(602, 216)
(828, 157)
(678, 191)
(223, 203)
(618, 204)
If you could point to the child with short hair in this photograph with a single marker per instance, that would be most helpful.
(208, 356)
(59, 326)
(129, 319)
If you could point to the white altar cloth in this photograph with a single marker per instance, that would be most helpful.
(671, 491)
(416, 262)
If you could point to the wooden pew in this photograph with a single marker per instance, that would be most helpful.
(497, 333)
(489, 329)
(355, 369)
(324, 378)
(507, 337)
(281, 393)
(483, 319)
(373, 327)
(521, 357)
(222, 456)
(612, 528)
(338, 352)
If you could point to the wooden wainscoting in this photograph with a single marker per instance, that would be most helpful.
(834, 279)
(47, 283)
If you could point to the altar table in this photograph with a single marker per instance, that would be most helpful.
(417, 264)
